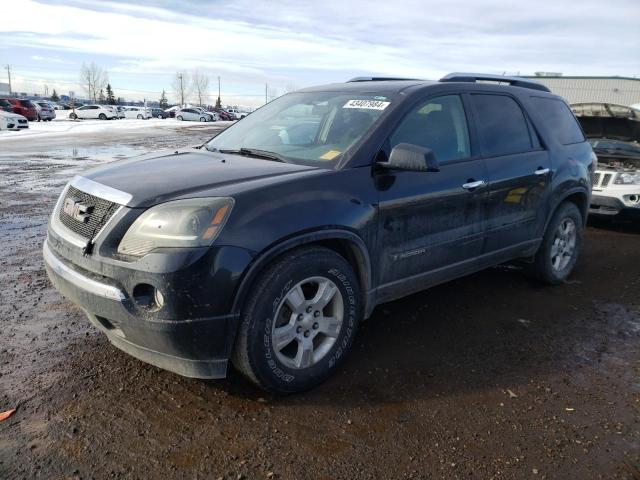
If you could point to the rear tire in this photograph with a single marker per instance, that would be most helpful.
(299, 321)
(202, 119)
(560, 247)
(139, 117)
(102, 116)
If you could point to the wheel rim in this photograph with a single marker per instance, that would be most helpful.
(307, 322)
(564, 244)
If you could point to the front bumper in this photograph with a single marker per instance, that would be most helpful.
(192, 347)
(606, 206)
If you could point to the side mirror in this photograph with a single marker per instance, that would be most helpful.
(406, 156)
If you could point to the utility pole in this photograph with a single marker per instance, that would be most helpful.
(181, 92)
(266, 88)
(218, 86)
(8, 67)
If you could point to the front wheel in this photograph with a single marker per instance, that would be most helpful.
(299, 322)
(102, 116)
(202, 119)
(179, 118)
(73, 116)
(560, 246)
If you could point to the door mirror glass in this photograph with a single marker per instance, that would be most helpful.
(406, 156)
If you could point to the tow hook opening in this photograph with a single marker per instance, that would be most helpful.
(148, 297)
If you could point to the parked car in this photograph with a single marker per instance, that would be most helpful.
(12, 121)
(45, 110)
(237, 114)
(119, 111)
(269, 244)
(224, 115)
(141, 113)
(211, 116)
(159, 113)
(24, 107)
(6, 105)
(191, 114)
(614, 133)
(93, 111)
(172, 111)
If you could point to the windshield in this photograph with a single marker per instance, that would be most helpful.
(313, 128)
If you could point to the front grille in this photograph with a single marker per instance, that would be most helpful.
(606, 179)
(100, 215)
(22, 120)
(596, 179)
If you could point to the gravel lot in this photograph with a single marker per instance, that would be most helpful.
(490, 376)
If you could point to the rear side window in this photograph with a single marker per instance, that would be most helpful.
(501, 124)
(560, 120)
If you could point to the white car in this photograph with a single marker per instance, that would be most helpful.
(12, 121)
(211, 116)
(93, 111)
(191, 114)
(137, 112)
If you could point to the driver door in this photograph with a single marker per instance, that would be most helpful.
(431, 221)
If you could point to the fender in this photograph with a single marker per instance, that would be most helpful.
(556, 203)
(359, 249)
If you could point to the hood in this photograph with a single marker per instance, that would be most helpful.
(10, 114)
(157, 178)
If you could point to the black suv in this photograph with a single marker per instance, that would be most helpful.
(268, 245)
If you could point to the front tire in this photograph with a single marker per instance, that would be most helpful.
(202, 119)
(560, 247)
(179, 118)
(102, 116)
(299, 322)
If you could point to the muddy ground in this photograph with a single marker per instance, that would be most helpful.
(490, 376)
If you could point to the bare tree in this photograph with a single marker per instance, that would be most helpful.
(93, 79)
(200, 85)
(181, 87)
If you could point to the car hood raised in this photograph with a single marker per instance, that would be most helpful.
(157, 178)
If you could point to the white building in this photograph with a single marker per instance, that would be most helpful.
(618, 90)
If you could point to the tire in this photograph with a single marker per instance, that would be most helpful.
(255, 352)
(139, 117)
(179, 118)
(39, 118)
(102, 116)
(560, 246)
(159, 116)
(202, 119)
(73, 116)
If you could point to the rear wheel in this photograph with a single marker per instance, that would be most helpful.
(299, 321)
(202, 119)
(560, 246)
(140, 117)
(160, 116)
(102, 116)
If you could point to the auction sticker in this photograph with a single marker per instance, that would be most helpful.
(368, 104)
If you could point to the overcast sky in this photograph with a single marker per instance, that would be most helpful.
(295, 43)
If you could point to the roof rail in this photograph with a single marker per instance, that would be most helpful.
(378, 79)
(514, 81)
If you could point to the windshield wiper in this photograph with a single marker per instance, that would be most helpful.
(254, 152)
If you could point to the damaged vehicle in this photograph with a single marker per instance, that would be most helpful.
(613, 132)
(269, 244)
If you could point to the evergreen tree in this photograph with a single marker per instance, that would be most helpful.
(101, 97)
(54, 96)
(218, 103)
(164, 104)
(111, 99)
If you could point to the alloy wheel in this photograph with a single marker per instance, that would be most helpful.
(564, 244)
(307, 322)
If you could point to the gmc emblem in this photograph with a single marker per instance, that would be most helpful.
(77, 210)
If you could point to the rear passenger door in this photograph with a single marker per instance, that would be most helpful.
(518, 171)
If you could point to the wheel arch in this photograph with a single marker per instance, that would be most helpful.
(344, 242)
(579, 197)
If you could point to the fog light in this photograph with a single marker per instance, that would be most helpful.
(148, 297)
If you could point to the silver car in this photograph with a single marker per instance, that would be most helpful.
(45, 110)
(192, 114)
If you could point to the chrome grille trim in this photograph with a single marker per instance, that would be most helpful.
(101, 191)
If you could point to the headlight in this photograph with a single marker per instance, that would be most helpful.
(628, 178)
(193, 222)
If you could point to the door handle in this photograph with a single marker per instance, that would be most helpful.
(542, 171)
(473, 185)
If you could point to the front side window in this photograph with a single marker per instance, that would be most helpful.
(501, 124)
(312, 128)
(439, 124)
